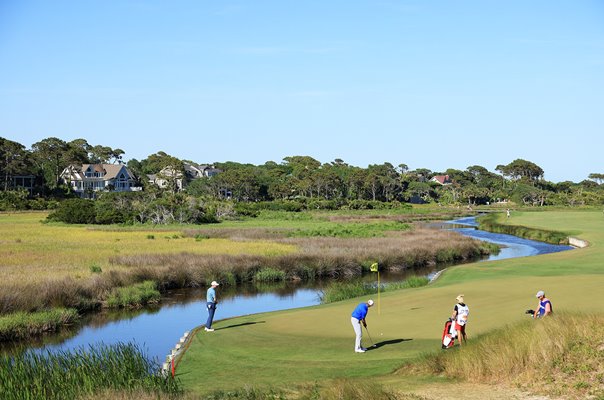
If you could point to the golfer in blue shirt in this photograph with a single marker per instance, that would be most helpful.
(358, 317)
(211, 303)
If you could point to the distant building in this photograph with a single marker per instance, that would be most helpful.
(441, 179)
(27, 182)
(169, 175)
(87, 179)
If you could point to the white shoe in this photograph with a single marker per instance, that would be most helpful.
(361, 350)
(209, 329)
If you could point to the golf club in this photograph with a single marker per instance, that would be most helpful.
(368, 334)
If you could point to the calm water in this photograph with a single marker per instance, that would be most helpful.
(158, 329)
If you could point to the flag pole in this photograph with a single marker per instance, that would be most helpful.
(375, 268)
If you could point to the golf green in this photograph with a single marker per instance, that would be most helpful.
(317, 343)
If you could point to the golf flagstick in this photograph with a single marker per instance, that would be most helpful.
(375, 268)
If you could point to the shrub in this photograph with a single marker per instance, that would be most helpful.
(96, 269)
(74, 211)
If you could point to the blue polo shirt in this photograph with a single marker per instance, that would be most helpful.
(361, 311)
(211, 297)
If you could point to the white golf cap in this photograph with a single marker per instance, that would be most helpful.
(540, 293)
(370, 302)
(214, 283)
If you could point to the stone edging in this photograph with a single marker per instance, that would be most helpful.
(171, 358)
(576, 242)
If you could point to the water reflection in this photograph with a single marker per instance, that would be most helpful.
(157, 329)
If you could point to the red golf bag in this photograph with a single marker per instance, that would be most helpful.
(449, 334)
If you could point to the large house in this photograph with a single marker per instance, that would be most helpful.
(442, 179)
(169, 175)
(86, 179)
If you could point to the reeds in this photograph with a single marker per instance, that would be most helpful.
(81, 372)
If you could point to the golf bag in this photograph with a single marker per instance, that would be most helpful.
(449, 334)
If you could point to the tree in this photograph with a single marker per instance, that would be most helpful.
(14, 160)
(522, 170)
(599, 178)
(50, 154)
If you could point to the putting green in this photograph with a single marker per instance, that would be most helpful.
(316, 343)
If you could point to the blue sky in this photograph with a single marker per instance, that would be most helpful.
(431, 84)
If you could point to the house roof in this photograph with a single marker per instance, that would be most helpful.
(110, 171)
(442, 179)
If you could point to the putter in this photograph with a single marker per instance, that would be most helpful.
(368, 334)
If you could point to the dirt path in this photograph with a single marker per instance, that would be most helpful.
(468, 391)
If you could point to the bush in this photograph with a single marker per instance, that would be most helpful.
(12, 200)
(74, 211)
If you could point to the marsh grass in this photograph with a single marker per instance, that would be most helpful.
(51, 266)
(134, 296)
(81, 372)
(269, 275)
(560, 356)
(339, 291)
(353, 230)
(22, 325)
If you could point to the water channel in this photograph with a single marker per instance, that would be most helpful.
(156, 330)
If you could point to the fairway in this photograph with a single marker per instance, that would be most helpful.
(316, 344)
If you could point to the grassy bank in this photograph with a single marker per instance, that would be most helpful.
(495, 223)
(22, 325)
(315, 344)
(558, 356)
(79, 373)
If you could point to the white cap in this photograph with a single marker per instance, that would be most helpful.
(214, 283)
(370, 302)
(540, 293)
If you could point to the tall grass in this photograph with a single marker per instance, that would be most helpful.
(72, 374)
(316, 258)
(560, 356)
(339, 291)
(134, 296)
(21, 325)
(269, 275)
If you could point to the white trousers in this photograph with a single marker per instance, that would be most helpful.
(356, 324)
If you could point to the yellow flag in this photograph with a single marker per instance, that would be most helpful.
(374, 267)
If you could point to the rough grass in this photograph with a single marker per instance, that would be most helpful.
(558, 356)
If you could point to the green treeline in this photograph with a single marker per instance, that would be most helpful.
(296, 183)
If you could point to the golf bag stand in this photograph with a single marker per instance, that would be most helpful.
(449, 334)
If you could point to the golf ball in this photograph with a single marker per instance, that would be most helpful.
(381, 334)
